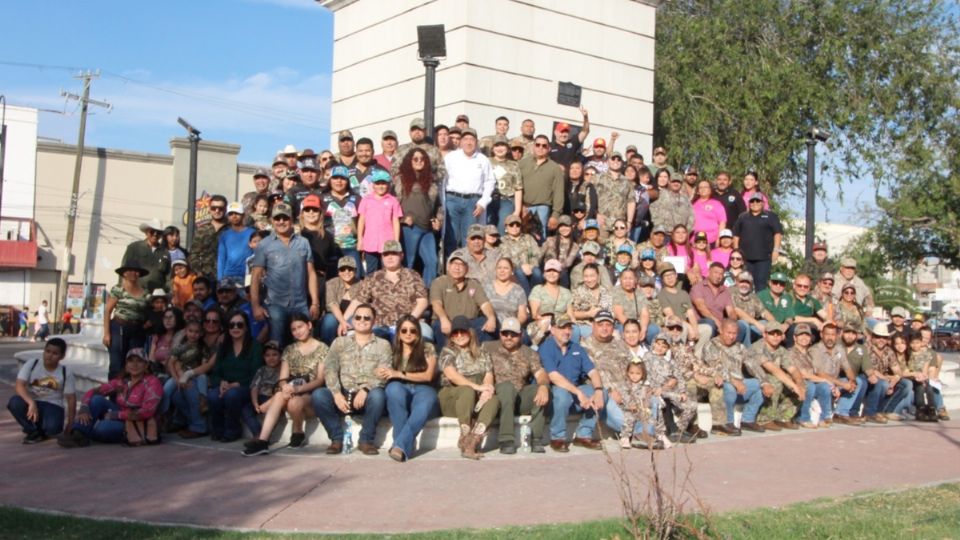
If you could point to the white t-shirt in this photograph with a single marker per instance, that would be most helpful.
(42, 314)
(48, 386)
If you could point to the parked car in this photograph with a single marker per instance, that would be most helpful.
(946, 335)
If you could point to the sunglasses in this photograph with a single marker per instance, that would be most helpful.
(775, 333)
(456, 333)
(674, 328)
(311, 210)
(363, 317)
(212, 321)
(620, 227)
(513, 224)
(281, 218)
(347, 269)
(238, 325)
(509, 334)
(408, 330)
(218, 208)
(542, 145)
(780, 283)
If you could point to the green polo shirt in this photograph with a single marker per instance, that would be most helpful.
(808, 307)
(781, 309)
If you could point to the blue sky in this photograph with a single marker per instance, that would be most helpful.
(249, 72)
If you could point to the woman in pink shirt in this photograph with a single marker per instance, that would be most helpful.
(751, 185)
(724, 248)
(709, 215)
(701, 253)
(378, 221)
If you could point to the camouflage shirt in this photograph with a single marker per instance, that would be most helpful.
(725, 362)
(391, 300)
(585, 299)
(636, 397)
(203, 252)
(464, 362)
(611, 359)
(884, 360)
(917, 360)
(759, 354)
(749, 303)
(521, 249)
(686, 360)
(672, 209)
(515, 367)
(631, 306)
(507, 174)
(613, 194)
(830, 363)
(660, 369)
(351, 366)
(304, 366)
(799, 359)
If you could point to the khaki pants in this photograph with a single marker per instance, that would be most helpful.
(718, 410)
(513, 402)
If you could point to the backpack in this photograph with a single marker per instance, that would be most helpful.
(923, 400)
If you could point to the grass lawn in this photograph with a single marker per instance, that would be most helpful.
(932, 512)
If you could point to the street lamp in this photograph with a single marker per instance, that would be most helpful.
(194, 135)
(813, 135)
(431, 47)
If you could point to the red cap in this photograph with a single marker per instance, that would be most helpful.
(311, 201)
(599, 142)
(563, 126)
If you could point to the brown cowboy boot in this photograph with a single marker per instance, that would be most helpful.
(471, 445)
(464, 432)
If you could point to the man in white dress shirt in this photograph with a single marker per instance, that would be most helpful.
(470, 183)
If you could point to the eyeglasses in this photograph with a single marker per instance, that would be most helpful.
(311, 210)
(674, 328)
(513, 224)
(827, 281)
(408, 330)
(615, 158)
(541, 145)
(801, 286)
(849, 292)
(211, 321)
(509, 334)
(363, 317)
(778, 283)
(218, 208)
(619, 227)
(775, 333)
(238, 325)
(281, 218)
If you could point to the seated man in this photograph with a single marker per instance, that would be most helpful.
(676, 302)
(352, 384)
(589, 253)
(751, 313)
(455, 294)
(42, 387)
(570, 368)
(829, 360)
(768, 360)
(514, 364)
(804, 308)
(776, 299)
(481, 260)
(817, 388)
(712, 302)
(885, 386)
(858, 360)
(723, 356)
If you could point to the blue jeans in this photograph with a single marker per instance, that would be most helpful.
(332, 418)
(612, 416)
(409, 406)
(849, 402)
(565, 403)
(528, 282)
(459, 217)
(49, 421)
(328, 328)
(652, 332)
(421, 242)
(542, 211)
(106, 431)
(819, 391)
(372, 261)
(187, 402)
(280, 321)
(752, 398)
(906, 403)
(760, 270)
(227, 412)
(498, 210)
(122, 339)
(889, 403)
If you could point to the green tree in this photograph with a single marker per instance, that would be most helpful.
(738, 83)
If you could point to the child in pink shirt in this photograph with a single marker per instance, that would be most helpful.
(379, 220)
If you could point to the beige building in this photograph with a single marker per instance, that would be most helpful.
(119, 189)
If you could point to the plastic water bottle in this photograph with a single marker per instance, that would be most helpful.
(347, 435)
(525, 436)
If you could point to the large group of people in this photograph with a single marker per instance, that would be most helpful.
(482, 278)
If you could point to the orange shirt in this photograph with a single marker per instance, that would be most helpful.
(183, 289)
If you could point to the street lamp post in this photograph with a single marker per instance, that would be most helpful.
(814, 135)
(194, 136)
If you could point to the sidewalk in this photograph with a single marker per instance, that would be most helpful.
(211, 484)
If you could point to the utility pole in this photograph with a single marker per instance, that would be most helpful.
(85, 102)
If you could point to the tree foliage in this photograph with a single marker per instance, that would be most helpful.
(738, 84)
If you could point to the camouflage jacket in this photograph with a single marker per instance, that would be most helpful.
(613, 194)
(203, 252)
(725, 362)
(521, 249)
(672, 209)
(660, 369)
(611, 359)
(351, 366)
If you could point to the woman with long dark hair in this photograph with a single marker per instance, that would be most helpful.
(411, 397)
(228, 394)
(419, 199)
(582, 190)
(171, 240)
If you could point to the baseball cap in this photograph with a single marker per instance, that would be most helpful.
(340, 172)
(819, 246)
(553, 264)
(662, 337)
(179, 262)
(675, 177)
(392, 246)
(673, 321)
(726, 233)
(417, 123)
(757, 196)
(590, 247)
(458, 255)
(475, 230)
(517, 143)
(262, 171)
(773, 326)
(468, 131)
(591, 224)
(899, 312)
(562, 320)
(666, 267)
(463, 118)
(311, 201)
(272, 345)
(659, 150)
(512, 218)
(648, 254)
(277, 159)
(700, 236)
(564, 220)
(234, 208)
(563, 126)
(347, 262)
(344, 135)
(227, 284)
(491, 230)
(802, 328)
(460, 322)
(660, 229)
(647, 281)
(745, 276)
(625, 248)
(851, 327)
(826, 276)
(136, 352)
(309, 164)
(281, 209)
(510, 324)
(616, 155)
(691, 170)
(848, 262)
(599, 142)
(631, 148)
(380, 176)
(500, 139)
(779, 276)
(603, 316)
(389, 134)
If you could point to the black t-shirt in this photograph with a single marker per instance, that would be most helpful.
(733, 203)
(565, 154)
(297, 194)
(756, 234)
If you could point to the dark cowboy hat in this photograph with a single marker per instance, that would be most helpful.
(132, 265)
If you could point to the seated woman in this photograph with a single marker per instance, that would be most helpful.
(411, 397)
(338, 298)
(547, 300)
(301, 371)
(130, 419)
(506, 296)
(467, 386)
(238, 360)
(588, 299)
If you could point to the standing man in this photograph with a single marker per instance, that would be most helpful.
(352, 385)
(45, 394)
(527, 129)
(820, 264)
(563, 150)
(203, 252)
(614, 195)
(542, 185)
(310, 185)
(469, 190)
(576, 387)
(347, 155)
(388, 150)
(284, 262)
(261, 186)
(729, 197)
(848, 276)
(501, 127)
(152, 255)
(672, 207)
(660, 161)
(233, 247)
(757, 234)
(514, 365)
(508, 195)
(361, 179)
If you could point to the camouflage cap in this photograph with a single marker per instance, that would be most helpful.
(392, 246)
(647, 281)
(662, 337)
(518, 143)
(475, 230)
(773, 326)
(673, 321)
(345, 135)
(665, 267)
(500, 139)
(661, 229)
(564, 220)
(347, 262)
(590, 247)
(281, 209)
(802, 328)
(562, 320)
(468, 131)
(491, 230)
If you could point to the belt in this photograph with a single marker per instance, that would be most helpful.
(463, 195)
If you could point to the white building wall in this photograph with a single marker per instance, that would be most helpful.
(503, 57)
(20, 163)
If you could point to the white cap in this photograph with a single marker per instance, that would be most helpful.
(726, 233)
(234, 208)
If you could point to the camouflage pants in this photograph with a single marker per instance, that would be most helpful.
(687, 409)
(779, 406)
(718, 410)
